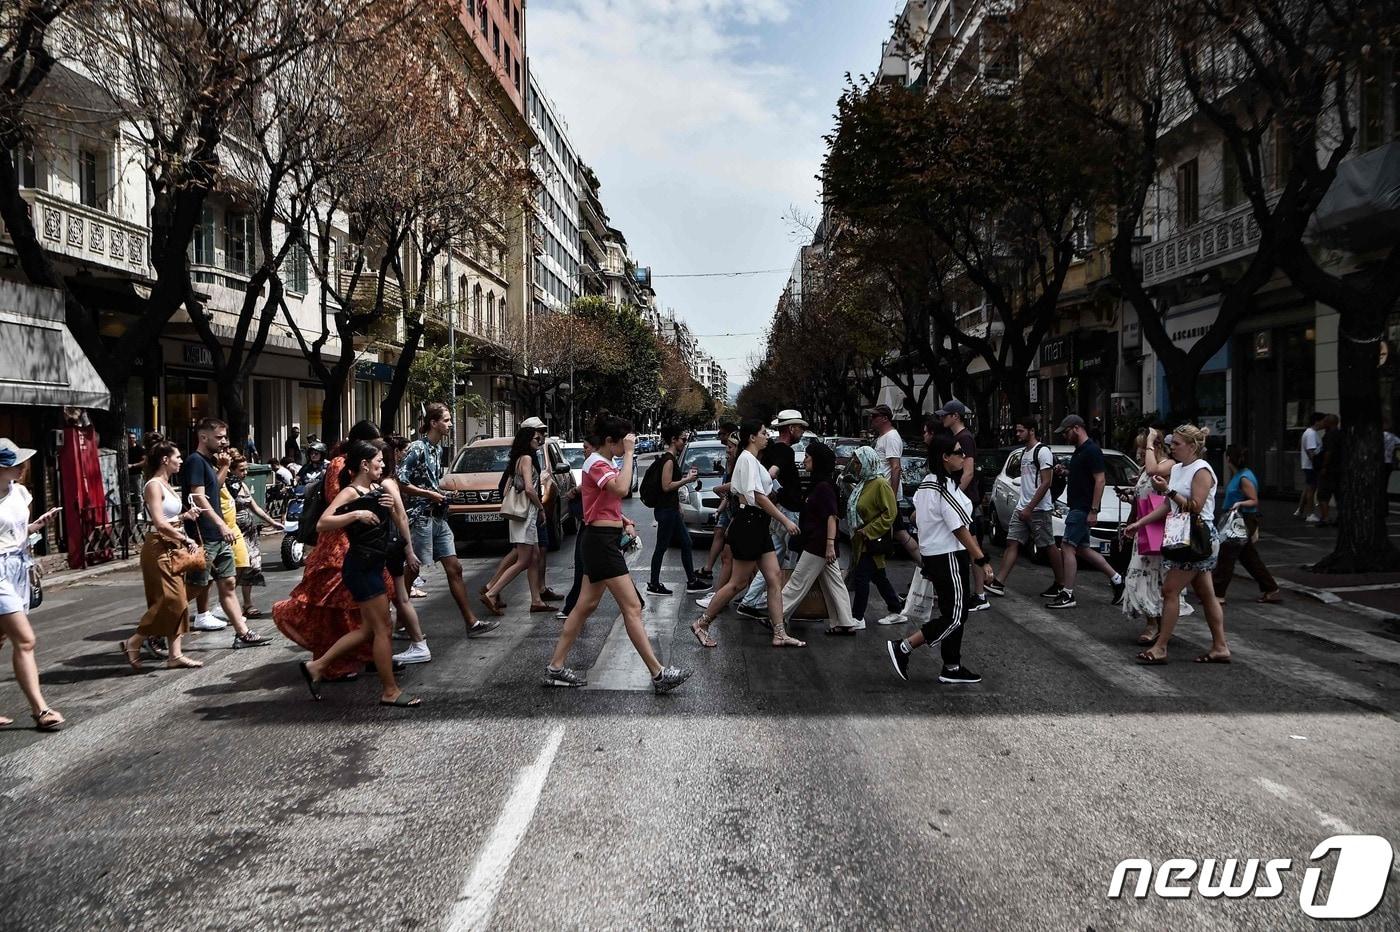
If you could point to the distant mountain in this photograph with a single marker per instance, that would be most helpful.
(734, 390)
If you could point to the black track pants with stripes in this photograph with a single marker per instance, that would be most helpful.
(951, 575)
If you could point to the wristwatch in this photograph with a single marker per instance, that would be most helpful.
(983, 561)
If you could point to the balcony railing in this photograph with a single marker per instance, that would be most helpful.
(980, 322)
(1231, 235)
(86, 234)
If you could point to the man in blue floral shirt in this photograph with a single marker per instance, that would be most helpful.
(420, 475)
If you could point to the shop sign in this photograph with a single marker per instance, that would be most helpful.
(1056, 351)
(1132, 328)
(1187, 329)
(198, 355)
(1093, 351)
(1033, 391)
(374, 371)
(1263, 344)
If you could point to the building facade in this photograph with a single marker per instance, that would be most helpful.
(557, 216)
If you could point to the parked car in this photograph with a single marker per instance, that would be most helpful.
(557, 464)
(706, 435)
(573, 452)
(1119, 470)
(844, 448)
(473, 490)
(699, 499)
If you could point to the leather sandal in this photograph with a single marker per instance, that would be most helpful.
(183, 663)
(492, 603)
(48, 720)
(701, 630)
(133, 658)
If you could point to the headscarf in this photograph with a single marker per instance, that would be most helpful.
(871, 468)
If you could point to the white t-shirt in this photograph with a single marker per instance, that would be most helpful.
(749, 478)
(284, 474)
(890, 445)
(1031, 465)
(14, 519)
(1310, 444)
(1180, 482)
(940, 508)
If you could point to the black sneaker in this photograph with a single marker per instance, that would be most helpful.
(899, 658)
(748, 611)
(1063, 600)
(697, 585)
(996, 587)
(565, 677)
(960, 675)
(705, 575)
(655, 588)
(1119, 588)
(669, 678)
(249, 638)
(481, 627)
(980, 603)
(1053, 590)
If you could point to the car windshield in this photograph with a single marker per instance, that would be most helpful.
(707, 458)
(913, 469)
(844, 450)
(575, 456)
(482, 459)
(1119, 469)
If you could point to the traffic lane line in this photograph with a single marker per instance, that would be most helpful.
(476, 901)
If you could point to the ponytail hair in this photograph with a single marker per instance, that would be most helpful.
(357, 453)
(748, 429)
(607, 427)
(156, 455)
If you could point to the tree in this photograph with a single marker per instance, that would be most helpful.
(1282, 81)
(434, 371)
(559, 346)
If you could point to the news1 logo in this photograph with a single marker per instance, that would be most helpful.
(1359, 878)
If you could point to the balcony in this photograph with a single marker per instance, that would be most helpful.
(1231, 235)
(86, 234)
(980, 322)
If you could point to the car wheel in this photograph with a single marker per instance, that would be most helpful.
(293, 552)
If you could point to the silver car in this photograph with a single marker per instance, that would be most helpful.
(699, 500)
(1120, 471)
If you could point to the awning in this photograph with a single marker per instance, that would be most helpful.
(40, 360)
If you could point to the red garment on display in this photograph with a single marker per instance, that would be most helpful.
(87, 528)
(320, 609)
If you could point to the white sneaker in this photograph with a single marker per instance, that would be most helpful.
(894, 618)
(218, 612)
(561, 615)
(207, 622)
(705, 602)
(416, 653)
(1313, 519)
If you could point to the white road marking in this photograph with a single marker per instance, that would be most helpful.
(1379, 587)
(1300, 675)
(1292, 796)
(1281, 616)
(1061, 632)
(477, 900)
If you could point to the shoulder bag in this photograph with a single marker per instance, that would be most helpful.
(184, 560)
(515, 505)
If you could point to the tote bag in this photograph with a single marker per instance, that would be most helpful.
(1186, 538)
(1149, 539)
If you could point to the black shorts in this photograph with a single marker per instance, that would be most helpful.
(602, 553)
(364, 578)
(749, 537)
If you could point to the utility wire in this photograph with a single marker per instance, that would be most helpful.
(722, 274)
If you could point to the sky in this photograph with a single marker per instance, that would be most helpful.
(704, 122)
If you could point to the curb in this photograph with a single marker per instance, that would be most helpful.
(61, 580)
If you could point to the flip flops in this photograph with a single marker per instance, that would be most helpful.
(1148, 660)
(311, 681)
(402, 702)
(1208, 658)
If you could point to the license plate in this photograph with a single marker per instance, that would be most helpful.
(482, 517)
(1103, 546)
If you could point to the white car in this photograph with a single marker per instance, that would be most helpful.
(1120, 471)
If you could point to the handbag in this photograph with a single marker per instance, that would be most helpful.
(515, 505)
(1149, 536)
(881, 546)
(183, 560)
(1186, 538)
(36, 587)
(1233, 528)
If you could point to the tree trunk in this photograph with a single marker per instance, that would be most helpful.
(1181, 378)
(398, 386)
(331, 427)
(1363, 544)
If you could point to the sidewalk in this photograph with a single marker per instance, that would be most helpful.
(57, 575)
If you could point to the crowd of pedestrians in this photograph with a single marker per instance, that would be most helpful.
(379, 513)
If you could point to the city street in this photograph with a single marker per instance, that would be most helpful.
(788, 789)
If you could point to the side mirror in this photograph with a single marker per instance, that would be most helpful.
(561, 469)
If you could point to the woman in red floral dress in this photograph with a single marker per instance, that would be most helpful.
(320, 609)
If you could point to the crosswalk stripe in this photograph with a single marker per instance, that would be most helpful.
(1295, 672)
(1064, 636)
(618, 667)
(1360, 641)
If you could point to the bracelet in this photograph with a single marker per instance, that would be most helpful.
(984, 560)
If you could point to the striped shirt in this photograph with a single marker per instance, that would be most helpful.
(940, 508)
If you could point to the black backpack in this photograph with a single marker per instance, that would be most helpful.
(650, 491)
(313, 505)
(1059, 478)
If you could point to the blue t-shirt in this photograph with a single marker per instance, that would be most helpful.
(1234, 492)
(198, 471)
(1086, 462)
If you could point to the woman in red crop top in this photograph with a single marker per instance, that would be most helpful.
(604, 566)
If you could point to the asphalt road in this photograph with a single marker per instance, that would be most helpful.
(775, 789)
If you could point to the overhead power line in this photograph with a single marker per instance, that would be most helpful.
(721, 274)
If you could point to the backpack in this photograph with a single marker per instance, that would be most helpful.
(313, 505)
(1059, 479)
(650, 491)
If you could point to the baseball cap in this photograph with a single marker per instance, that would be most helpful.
(952, 406)
(883, 410)
(1072, 420)
(533, 422)
(12, 455)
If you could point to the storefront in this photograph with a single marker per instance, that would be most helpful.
(1186, 324)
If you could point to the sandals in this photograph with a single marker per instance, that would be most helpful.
(841, 630)
(1147, 659)
(1269, 598)
(499, 601)
(252, 613)
(701, 630)
(183, 663)
(1212, 658)
(6, 722)
(784, 640)
(1147, 640)
(549, 595)
(493, 604)
(402, 702)
(541, 607)
(311, 681)
(48, 720)
(133, 658)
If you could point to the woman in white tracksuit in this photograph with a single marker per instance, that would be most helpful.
(948, 550)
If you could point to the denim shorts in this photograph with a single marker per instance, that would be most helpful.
(432, 538)
(1077, 528)
(364, 578)
(14, 583)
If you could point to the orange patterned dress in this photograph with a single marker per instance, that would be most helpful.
(320, 608)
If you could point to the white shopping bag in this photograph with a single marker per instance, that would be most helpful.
(922, 600)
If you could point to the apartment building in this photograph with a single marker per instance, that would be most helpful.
(557, 221)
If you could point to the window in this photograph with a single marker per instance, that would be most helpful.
(483, 19)
(26, 167)
(238, 242)
(1283, 157)
(496, 39)
(89, 165)
(348, 254)
(294, 268)
(476, 310)
(1188, 205)
(515, 19)
(1378, 123)
(506, 53)
(446, 285)
(517, 76)
(203, 243)
(1230, 193)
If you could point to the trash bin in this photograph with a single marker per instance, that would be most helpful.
(259, 476)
